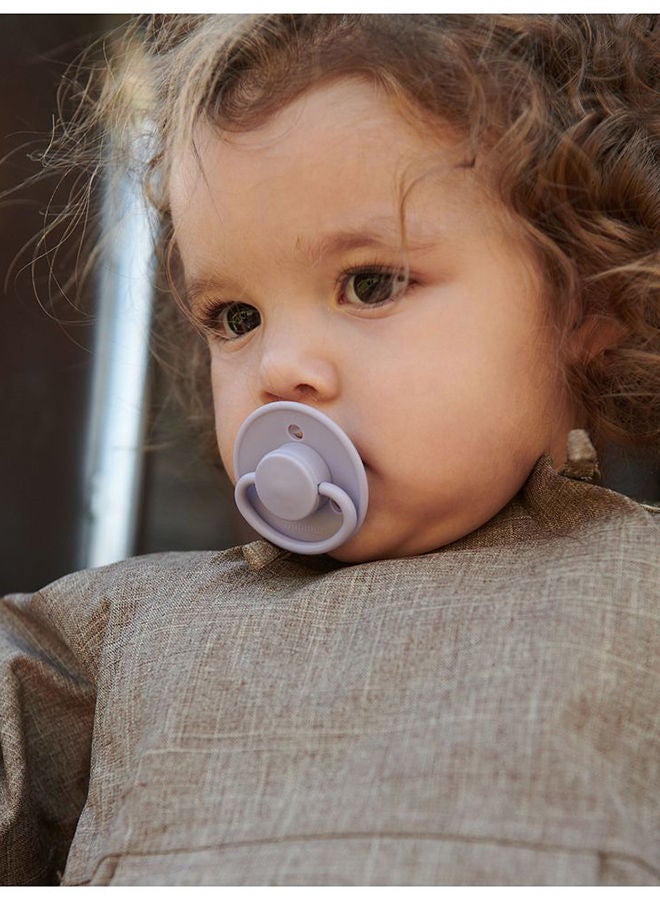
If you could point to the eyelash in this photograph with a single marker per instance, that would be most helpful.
(210, 313)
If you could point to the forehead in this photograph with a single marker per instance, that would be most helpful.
(350, 128)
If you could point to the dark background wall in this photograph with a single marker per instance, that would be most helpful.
(46, 354)
(43, 369)
(45, 361)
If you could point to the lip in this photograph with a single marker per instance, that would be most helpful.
(358, 448)
(356, 442)
(365, 462)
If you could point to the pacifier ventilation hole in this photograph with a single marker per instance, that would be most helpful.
(295, 431)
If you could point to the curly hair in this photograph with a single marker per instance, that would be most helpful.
(564, 108)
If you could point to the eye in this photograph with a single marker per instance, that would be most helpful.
(229, 321)
(372, 287)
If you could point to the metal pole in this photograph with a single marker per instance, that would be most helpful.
(119, 388)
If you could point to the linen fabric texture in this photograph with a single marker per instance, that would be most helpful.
(483, 714)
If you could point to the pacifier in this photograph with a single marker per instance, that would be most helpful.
(300, 481)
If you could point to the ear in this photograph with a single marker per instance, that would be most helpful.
(593, 336)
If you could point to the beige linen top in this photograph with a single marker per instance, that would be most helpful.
(484, 714)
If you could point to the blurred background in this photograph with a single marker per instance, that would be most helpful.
(47, 353)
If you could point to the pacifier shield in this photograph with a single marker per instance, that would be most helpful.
(300, 482)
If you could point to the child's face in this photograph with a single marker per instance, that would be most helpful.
(450, 388)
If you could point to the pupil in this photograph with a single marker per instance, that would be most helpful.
(373, 288)
(242, 319)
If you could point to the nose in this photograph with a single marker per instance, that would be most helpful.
(297, 363)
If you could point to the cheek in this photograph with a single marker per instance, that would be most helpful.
(227, 415)
(226, 432)
(226, 448)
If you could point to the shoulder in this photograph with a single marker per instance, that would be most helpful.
(81, 609)
(126, 581)
(164, 572)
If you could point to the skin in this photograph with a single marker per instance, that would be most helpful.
(451, 389)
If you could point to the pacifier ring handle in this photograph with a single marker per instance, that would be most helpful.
(346, 507)
(333, 493)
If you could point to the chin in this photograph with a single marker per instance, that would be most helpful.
(368, 547)
(352, 555)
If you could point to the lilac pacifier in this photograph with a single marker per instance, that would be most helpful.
(300, 481)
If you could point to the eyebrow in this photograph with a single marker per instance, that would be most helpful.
(196, 288)
(388, 235)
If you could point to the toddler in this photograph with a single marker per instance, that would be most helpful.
(441, 232)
